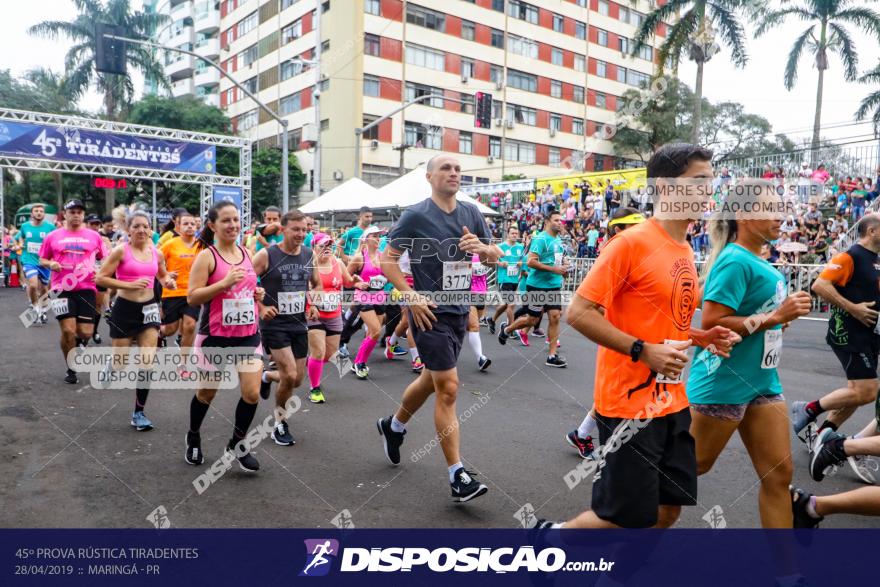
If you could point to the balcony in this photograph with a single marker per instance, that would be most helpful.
(183, 87)
(207, 77)
(181, 11)
(180, 36)
(208, 48)
(206, 18)
(180, 68)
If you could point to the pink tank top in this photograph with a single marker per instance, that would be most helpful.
(130, 269)
(480, 276)
(372, 274)
(330, 297)
(233, 312)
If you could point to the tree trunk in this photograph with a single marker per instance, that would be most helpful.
(59, 195)
(817, 120)
(698, 104)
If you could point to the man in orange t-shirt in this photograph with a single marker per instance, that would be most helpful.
(646, 283)
(180, 252)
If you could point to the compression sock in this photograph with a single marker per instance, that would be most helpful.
(366, 349)
(197, 411)
(476, 344)
(140, 400)
(315, 367)
(814, 409)
(244, 415)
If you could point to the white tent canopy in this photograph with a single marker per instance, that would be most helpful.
(412, 188)
(349, 196)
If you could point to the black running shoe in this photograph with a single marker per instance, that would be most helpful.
(799, 501)
(555, 361)
(491, 323)
(247, 463)
(584, 446)
(541, 524)
(265, 389)
(71, 377)
(97, 338)
(484, 363)
(179, 339)
(162, 343)
(390, 439)
(465, 487)
(281, 434)
(193, 454)
(538, 332)
(503, 336)
(827, 454)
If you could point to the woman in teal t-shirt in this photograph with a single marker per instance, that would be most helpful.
(746, 294)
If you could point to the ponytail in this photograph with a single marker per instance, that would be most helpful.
(721, 232)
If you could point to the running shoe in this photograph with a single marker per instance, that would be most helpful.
(360, 370)
(864, 467)
(484, 363)
(465, 487)
(809, 436)
(71, 377)
(523, 337)
(265, 389)
(43, 318)
(193, 454)
(343, 352)
(417, 365)
(799, 501)
(584, 446)
(389, 349)
(177, 340)
(316, 396)
(538, 332)
(502, 335)
(491, 323)
(391, 440)
(97, 338)
(281, 435)
(800, 418)
(555, 361)
(140, 422)
(162, 343)
(483, 322)
(398, 350)
(827, 454)
(246, 462)
(541, 524)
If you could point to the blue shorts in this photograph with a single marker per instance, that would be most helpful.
(37, 270)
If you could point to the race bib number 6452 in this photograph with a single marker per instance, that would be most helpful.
(238, 312)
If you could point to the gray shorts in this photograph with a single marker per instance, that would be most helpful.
(332, 326)
(735, 412)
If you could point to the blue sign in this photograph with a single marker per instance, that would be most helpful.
(227, 193)
(77, 145)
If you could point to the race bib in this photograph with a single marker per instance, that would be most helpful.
(480, 270)
(456, 275)
(378, 282)
(238, 312)
(151, 313)
(557, 259)
(877, 327)
(512, 270)
(664, 379)
(772, 349)
(328, 302)
(33, 248)
(291, 302)
(59, 306)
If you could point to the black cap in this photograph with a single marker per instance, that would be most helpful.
(74, 204)
(92, 218)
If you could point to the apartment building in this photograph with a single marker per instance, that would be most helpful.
(193, 25)
(556, 71)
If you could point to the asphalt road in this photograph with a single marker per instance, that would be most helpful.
(70, 459)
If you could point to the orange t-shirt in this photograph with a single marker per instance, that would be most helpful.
(647, 283)
(179, 257)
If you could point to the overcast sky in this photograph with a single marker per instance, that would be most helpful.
(758, 87)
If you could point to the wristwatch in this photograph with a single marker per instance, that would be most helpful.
(636, 350)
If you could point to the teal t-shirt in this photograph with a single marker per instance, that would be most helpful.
(351, 240)
(32, 239)
(512, 255)
(307, 242)
(592, 237)
(272, 239)
(750, 285)
(550, 251)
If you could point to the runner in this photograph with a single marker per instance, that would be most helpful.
(646, 281)
(131, 269)
(851, 282)
(832, 449)
(350, 242)
(741, 391)
(392, 348)
(101, 295)
(371, 303)
(173, 227)
(310, 232)
(177, 315)
(479, 285)
(808, 509)
(70, 252)
(430, 232)
(270, 232)
(547, 260)
(30, 237)
(508, 274)
(325, 321)
(285, 270)
(223, 281)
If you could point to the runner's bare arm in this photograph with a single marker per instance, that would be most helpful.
(260, 261)
(168, 280)
(534, 263)
(715, 314)
(199, 291)
(390, 262)
(348, 279)
(824, 288)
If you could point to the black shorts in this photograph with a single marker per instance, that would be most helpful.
(440, 346)
(379, 309)
(857, 365)
(644, 464)
(80, 304)
(276, 339)
(508, 292)
(211, 358)
(128, 319)
(537, 306)
(173, 309)
(101, 289)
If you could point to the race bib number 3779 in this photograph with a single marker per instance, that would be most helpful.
(456, 275)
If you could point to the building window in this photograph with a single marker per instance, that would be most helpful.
(371, 86)
(623, 45)
(294, 139)
(624, 14)
(554, 159)
(598, 161)
(468, 30)
(496, 108)
(555, 88)
(600, 100)
(601, 68)
(519, 151)
(577, 126)
(497, 38)
(558, 23)
(522, 114)
(325, 124)
(247, 24)
(371, 44)
(621, 74)
(284, 4)
(522, 81)
(555, 121)
(467, 67)
(602, 38)
(249, 55)
(424, 57)
(556, 56)
(496, 73)
(580, 30)
(467, 103)
(603, 7)
(251, 85)
(286, 70)
(231, 96)
(637, 78)
(646, 52)
(373, 7)
(291, 104)
(580, 63)
(498, 5)
(426, 137)
(291, 32)
(522, 46)
(495, 147)
(425, 17)
(373, 133)
(414, 91)
(577, 94)
(522, 11)
(465, 143)
(248, 120)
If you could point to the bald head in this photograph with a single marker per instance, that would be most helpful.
(868, 223)
(444, 174)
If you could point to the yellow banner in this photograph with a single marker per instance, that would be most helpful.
(621, 179)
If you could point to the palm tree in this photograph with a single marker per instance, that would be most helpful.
(872, 100)
(51, 90)
(829, 16)
(693, 34)
(118, 90)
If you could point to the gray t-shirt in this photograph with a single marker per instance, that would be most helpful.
(431, 236)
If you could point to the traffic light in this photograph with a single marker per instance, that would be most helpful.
(109, 53)
(482, 110)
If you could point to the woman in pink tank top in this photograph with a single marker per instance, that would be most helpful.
(479, 285)
(132, 269)
(222, 280)
(371, 302)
